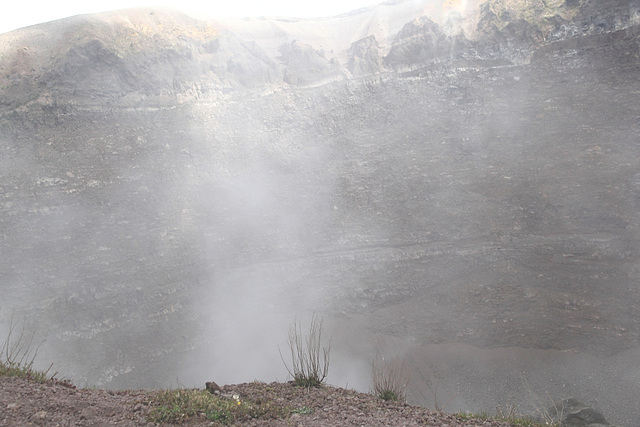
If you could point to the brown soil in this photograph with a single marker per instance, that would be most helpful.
(24, 402)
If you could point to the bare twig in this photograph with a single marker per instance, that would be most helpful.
(18, 354)
(309, 359)
(544, 411)
(433, 386)
(390, 378)
(507, 412)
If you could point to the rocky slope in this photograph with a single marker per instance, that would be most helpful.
(30, 403)
(173, 192)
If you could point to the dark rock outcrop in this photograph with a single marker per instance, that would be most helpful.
(305, 65)
(364, 57)
(422, 42)
(573, 413)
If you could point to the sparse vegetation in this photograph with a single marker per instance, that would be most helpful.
(513, 419)
(310, 365)
(309, 358)
(549, 412)
(181, 405)
(433, 383)
(466, 416)
(390, 378)
(18, 353)
(302, 411)
(549, 415)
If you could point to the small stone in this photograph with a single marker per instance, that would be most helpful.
(213, 388)
(12, 406)
(40, 415)
(88, 413)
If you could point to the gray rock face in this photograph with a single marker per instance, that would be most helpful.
(573, 413)
(305, 65)
(423, 41)
(173, 192)
(365, 57)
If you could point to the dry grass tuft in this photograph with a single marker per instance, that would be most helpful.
(390, 378)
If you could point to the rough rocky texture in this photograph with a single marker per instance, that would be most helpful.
(29, 403)
(423, 41)
(24, 402)
(173, 190)
(572, 413)
(364, 57)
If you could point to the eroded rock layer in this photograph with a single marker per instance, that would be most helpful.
(173, 189)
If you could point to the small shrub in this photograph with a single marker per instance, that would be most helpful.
(390, 395)
(309, 359)
(390, 379)
(18, 354)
